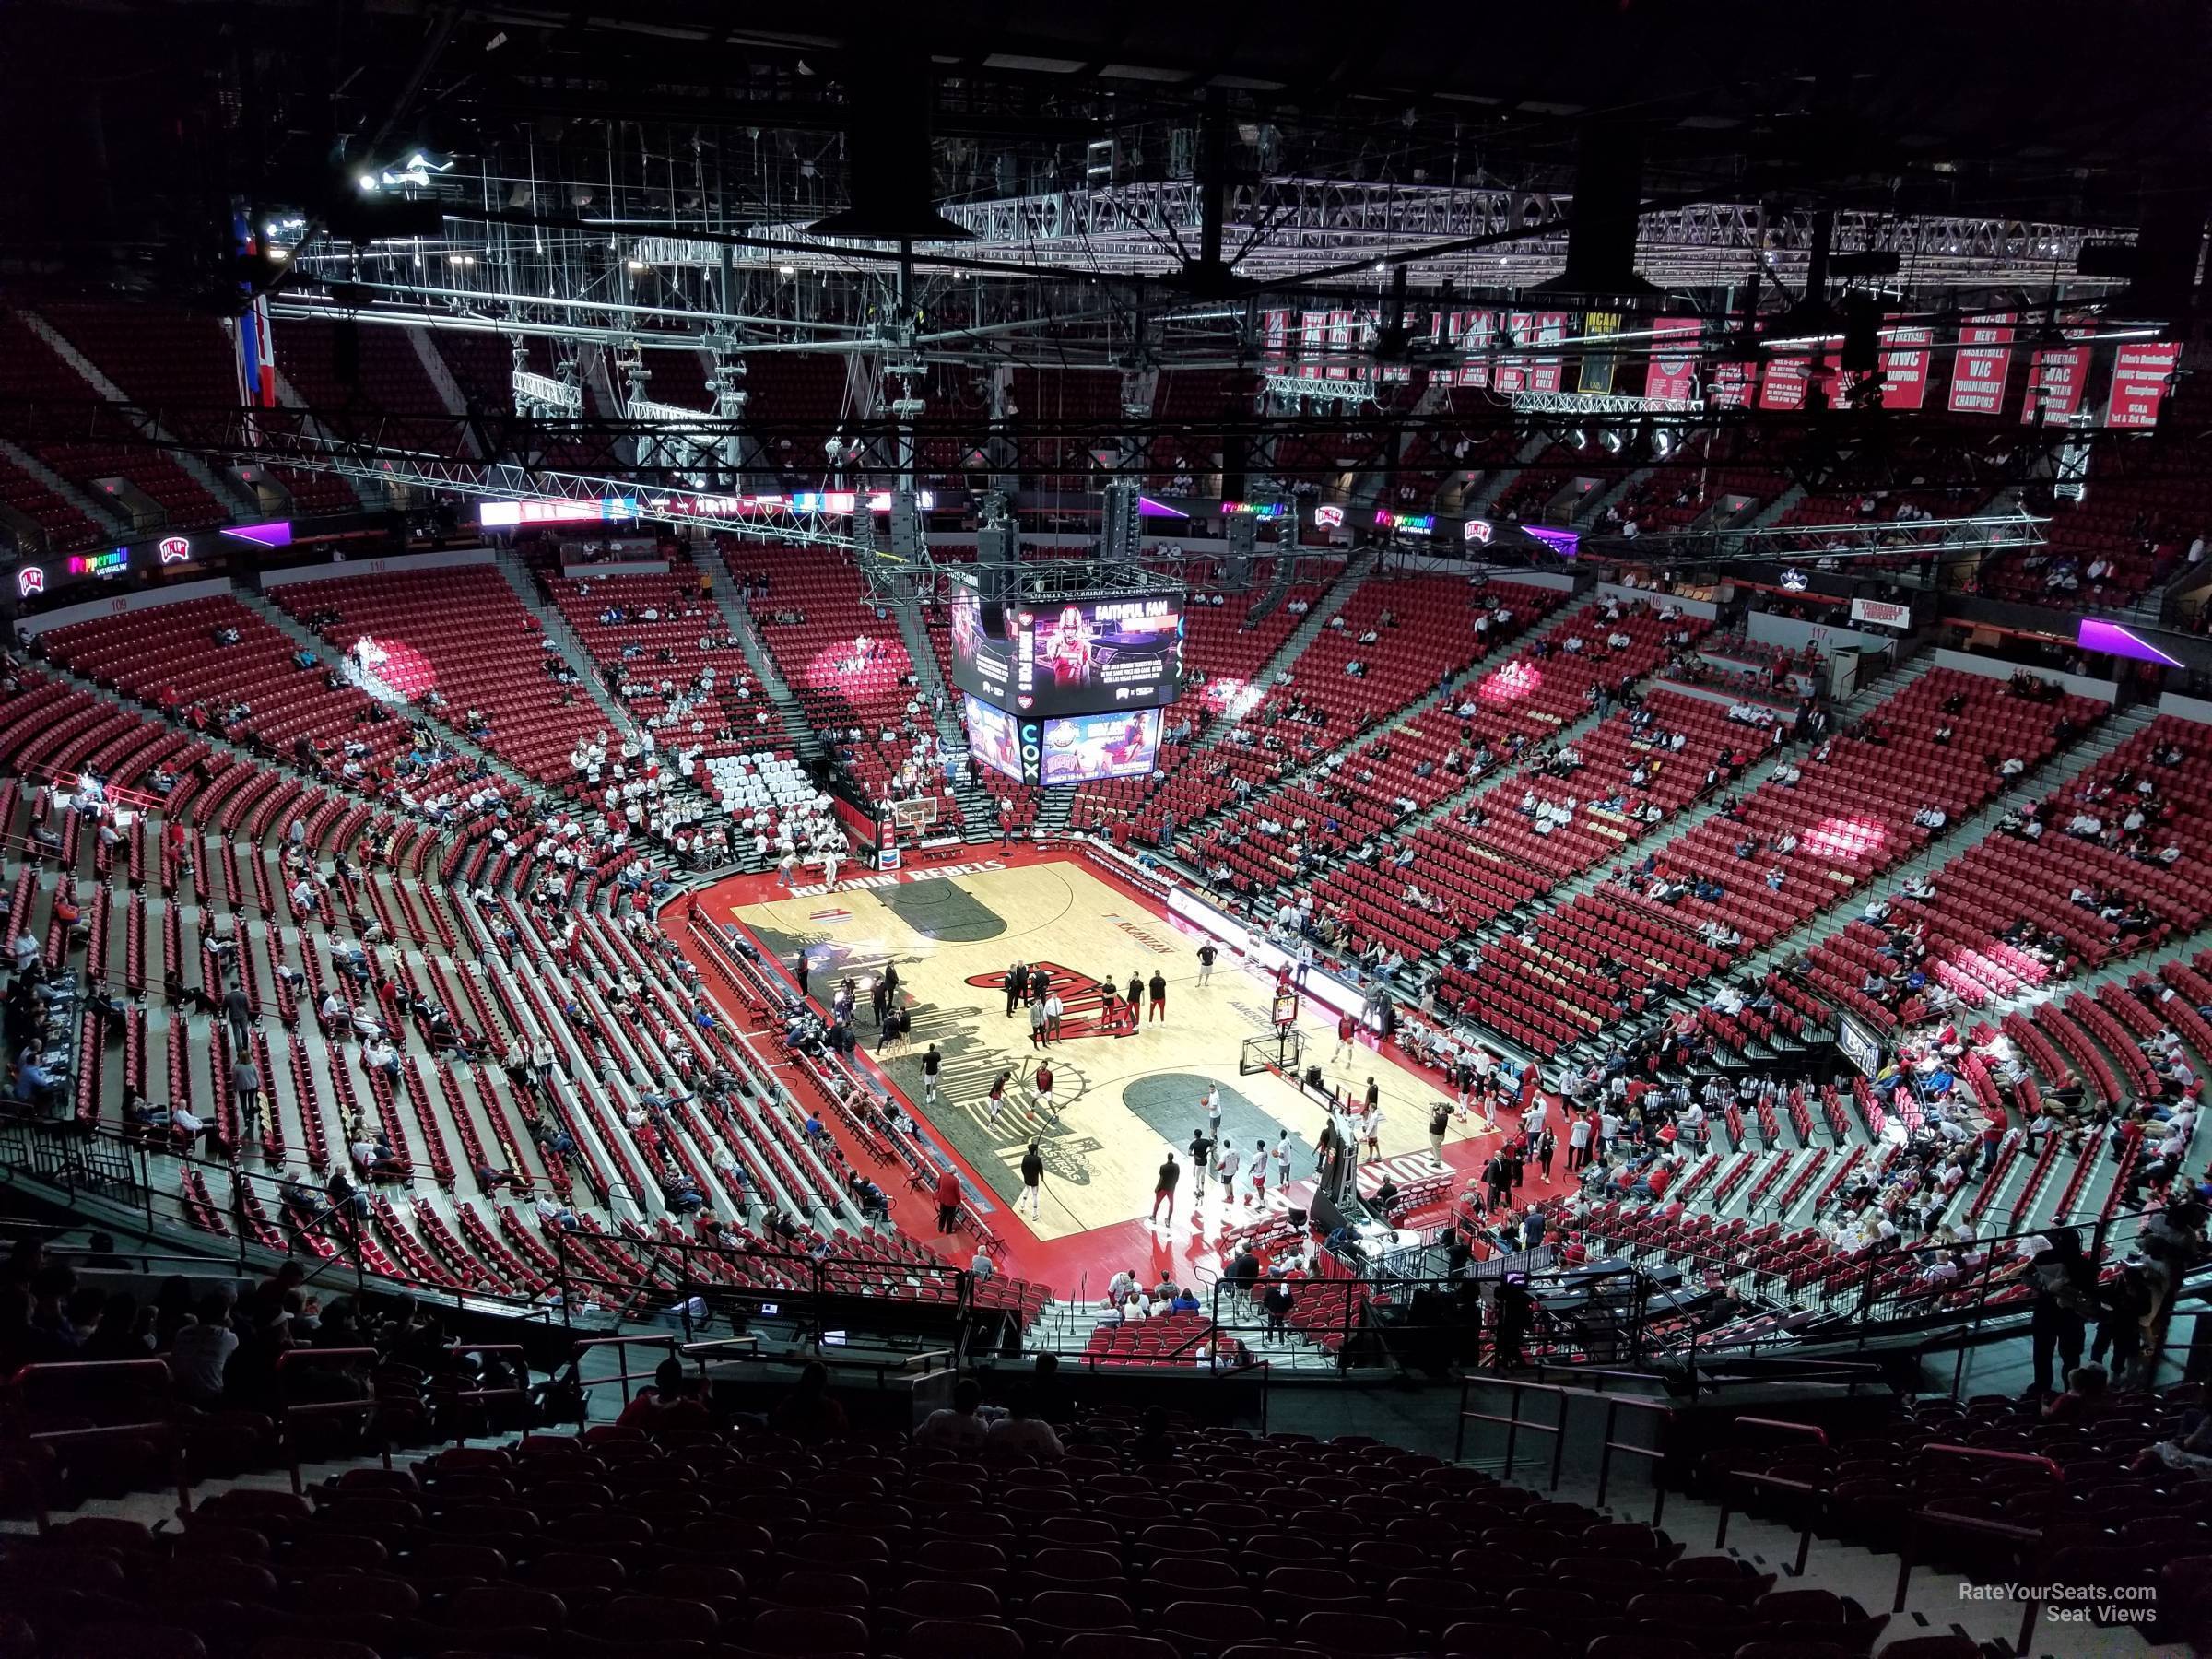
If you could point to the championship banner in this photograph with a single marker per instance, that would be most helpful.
(1978, 370)
(2057, 376)
(1786, 379)
(1312, 339)
(2139, 377)
(1275, 338)
(1904, 361)
(1595, 374)
(1476, 336)
(1510, 375)
(1672, 372)
(1734, 385)
(1545, 373)
(1340, 346)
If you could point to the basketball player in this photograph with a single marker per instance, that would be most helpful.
(998, 1097)
(1225, 1167)
(1040, 1092)
(1282, 1160)
(932, 1063)
(1158, 990)
(1207, 953)
(1348, 1029)
(1259, 1173)
(1032, 1179)
(1211, 1102)
(1371, 1136)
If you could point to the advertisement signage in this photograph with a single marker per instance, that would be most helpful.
(1881, 613)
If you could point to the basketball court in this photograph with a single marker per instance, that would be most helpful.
(1123, 1100)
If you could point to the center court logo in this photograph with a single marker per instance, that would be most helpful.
(1079, 994)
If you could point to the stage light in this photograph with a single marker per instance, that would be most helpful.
(787, 271)
(1663, 443)
(1610, 439)
(1578, 438)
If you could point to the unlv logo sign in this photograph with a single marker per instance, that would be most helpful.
(175, 550)
(29, 580)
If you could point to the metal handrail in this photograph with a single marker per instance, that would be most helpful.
(288, 1412)
(77, 1372)
(1918, 1514)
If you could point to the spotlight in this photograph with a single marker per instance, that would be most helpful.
(1609, 440)
(1578, 439)
(1663, 443)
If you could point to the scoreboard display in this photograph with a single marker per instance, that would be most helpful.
(1078, 656)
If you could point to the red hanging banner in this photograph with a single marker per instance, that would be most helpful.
(1671, 373)
(1475, 335)
(1735, 385)
(1512, 374)
(2139, 377)
(1786, 379)
(2057, 376)
(1977, 371)
(1545, 374)
(1905, 367)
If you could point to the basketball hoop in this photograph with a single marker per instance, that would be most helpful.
(916, 813)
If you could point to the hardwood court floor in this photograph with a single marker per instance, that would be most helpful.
(1122, 1102)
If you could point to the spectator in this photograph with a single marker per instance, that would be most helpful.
(201, 1353)
(807, 1413)
(956, 1431)
(1022, 1431)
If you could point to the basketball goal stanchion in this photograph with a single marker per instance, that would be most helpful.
(906, 823)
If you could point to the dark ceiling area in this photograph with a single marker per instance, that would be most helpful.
(150, 121)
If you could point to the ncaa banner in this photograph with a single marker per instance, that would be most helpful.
(2139, 377)
(1672, 372)
(1904, 359)
(1984, 358)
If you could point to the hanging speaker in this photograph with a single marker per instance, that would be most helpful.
(993, 619)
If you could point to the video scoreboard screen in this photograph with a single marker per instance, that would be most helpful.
(1080, 656)
(1084, 749)
(995, 739)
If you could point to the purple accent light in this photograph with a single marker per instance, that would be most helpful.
(2115, 641)
(277, 533)
(1149, 508)
(1565, 543)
